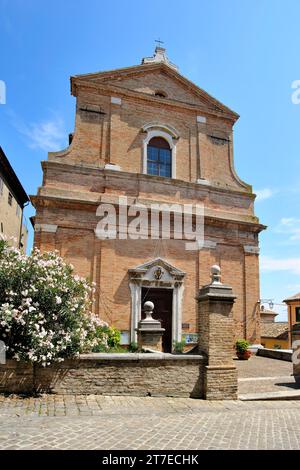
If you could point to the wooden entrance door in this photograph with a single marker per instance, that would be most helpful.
(163, 300)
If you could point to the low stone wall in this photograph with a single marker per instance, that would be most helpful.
(109, 374)
(16, 377)
(283, 355)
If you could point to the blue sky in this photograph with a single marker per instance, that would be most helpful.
(245, 53)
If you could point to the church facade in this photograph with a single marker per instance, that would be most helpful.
(146, 135)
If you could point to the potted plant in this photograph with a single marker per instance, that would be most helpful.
(178, 346)
(241, 347)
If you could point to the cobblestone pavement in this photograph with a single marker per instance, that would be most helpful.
(279, 384)
(96, 422)
(258, 366)
(264, 375)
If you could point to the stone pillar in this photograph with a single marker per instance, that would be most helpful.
(149, 330)
(295, 334)
(216, 338)
(252, 294)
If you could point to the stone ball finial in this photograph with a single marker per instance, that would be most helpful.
(215, 269)
(148, 306)
(215, 274)
(148, 309)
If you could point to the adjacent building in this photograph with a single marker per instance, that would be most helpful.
(147, 135)
(274, 335)
(267, 315)
(13, 199)
(293, 305)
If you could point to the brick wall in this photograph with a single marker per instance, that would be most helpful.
(102, 374)
(114, 135)
(107, 263)
(216, 333)
(75, 182)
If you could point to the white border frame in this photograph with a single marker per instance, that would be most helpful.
(136, 308)
(138, 279)
(168, 137)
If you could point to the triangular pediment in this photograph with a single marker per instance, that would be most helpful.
(150, 79)
(157, 269)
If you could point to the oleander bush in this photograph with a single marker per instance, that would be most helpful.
(45, 309)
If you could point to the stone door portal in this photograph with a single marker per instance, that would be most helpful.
(162, 299)
(158, 276)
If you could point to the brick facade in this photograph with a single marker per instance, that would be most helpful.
(114, 112)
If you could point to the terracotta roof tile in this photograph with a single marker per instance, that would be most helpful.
(293, 297)
(277, 330)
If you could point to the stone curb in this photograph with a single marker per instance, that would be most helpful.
(140, 357)
(287, 378)
(292, 395)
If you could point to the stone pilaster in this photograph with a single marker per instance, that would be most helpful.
(216, 338)
(115, 125)
(252, 295)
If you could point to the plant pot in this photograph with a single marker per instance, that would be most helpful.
(244, 356)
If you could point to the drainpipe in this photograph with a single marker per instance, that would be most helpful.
(21, 225)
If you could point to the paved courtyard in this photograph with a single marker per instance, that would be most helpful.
(100, 422)
(95, 422)
(265, 377)
(258, 366)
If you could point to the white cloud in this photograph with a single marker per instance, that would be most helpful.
(267, 264)
(262, 194)
(289, 226)
(293, 287)
(48, 135)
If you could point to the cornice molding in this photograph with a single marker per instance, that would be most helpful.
(91, 169)
(83, 204)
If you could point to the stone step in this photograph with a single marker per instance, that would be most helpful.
(282, 395)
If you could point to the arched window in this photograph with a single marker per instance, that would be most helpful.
(159, 149)
(159, 157)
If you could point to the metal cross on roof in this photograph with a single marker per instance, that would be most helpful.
(159, 42)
